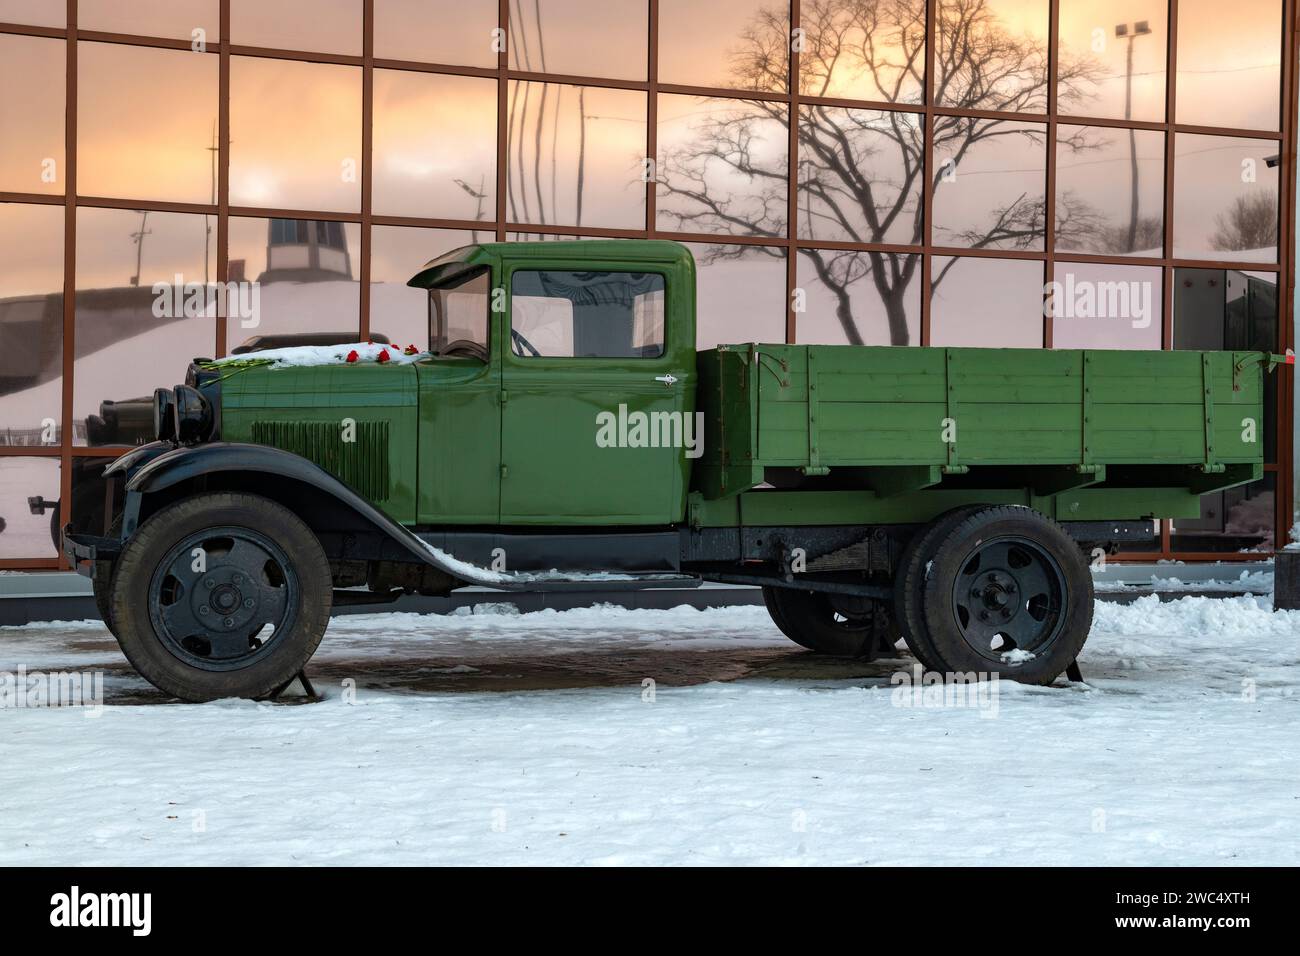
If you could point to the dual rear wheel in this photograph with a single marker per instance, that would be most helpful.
(998, 589)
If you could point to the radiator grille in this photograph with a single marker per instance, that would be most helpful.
(362, 464)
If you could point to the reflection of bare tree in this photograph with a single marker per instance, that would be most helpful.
(861, 172)
(1249, 223)
(1148, 232)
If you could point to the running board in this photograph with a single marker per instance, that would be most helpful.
(473, 574)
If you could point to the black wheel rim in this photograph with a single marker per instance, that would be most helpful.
(1008, 600)
(229, 609)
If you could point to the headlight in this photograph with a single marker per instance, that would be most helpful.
(164, 419)
(192, 414)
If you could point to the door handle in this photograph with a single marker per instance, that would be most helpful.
(666, 379)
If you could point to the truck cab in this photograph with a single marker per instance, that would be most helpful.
(534, 355)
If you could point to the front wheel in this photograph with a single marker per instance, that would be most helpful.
(221, 595)
(832, 624)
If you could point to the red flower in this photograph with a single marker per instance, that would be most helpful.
(352, 356)
(370, 341)
(411, 350)
(383, 357)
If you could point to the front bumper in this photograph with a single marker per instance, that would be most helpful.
(83, 550)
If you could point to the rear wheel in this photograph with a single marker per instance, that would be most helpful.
(909, 584)
(1009, 592)
(221, 595)
(839, 625)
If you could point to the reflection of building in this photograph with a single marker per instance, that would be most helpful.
(302, 251)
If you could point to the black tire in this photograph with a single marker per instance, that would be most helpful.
(829, 624)
(101, 583)
(909, 584)
(202, 634)
(1009, 592)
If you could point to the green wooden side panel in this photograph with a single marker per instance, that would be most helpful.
(969, 412)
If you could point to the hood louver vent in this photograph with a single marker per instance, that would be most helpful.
(362, 464)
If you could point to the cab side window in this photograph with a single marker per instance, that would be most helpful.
(557, 314)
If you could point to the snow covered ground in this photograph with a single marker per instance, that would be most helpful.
(505, 738)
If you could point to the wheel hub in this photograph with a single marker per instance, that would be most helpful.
(997, 594)
(225, 599)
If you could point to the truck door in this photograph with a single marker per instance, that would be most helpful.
(593, 420)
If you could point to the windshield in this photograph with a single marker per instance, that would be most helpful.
(458, 312)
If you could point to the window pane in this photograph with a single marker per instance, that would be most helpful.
(990, 183)
(322, 26)
(860, 175)
(397, 311)
(741, 44)
(140, 138)
(722, 165)
(460, 314)
(1229, 63)
(436, 31)
(435, 144)
(986, 303)
(1110, 194)
(1112, 57)
(865, 51)
(32, 124)
(581, 38)
(24, 534)
(1225, 198)
(1230, 310)
(177, 19)
(992, 55)
(138, 326)
(1239, 519)
(858, 298)
(1098, 306)
(739, 294)
(575, 155)
(31, 324)
(587, 314)
(295, 135)
(41, 13)
(306, 274)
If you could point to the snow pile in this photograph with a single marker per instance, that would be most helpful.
(1253, 582)
(306, 356)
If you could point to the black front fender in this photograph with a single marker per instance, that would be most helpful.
(191, 462)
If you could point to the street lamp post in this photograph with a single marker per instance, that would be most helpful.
(1129, 32)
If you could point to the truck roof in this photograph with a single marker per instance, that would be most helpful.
(457, 262)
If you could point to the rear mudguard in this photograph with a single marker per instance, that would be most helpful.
(158, 472)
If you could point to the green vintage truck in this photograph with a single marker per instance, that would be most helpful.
(559, 430)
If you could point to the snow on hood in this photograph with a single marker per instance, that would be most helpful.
(305, 356)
